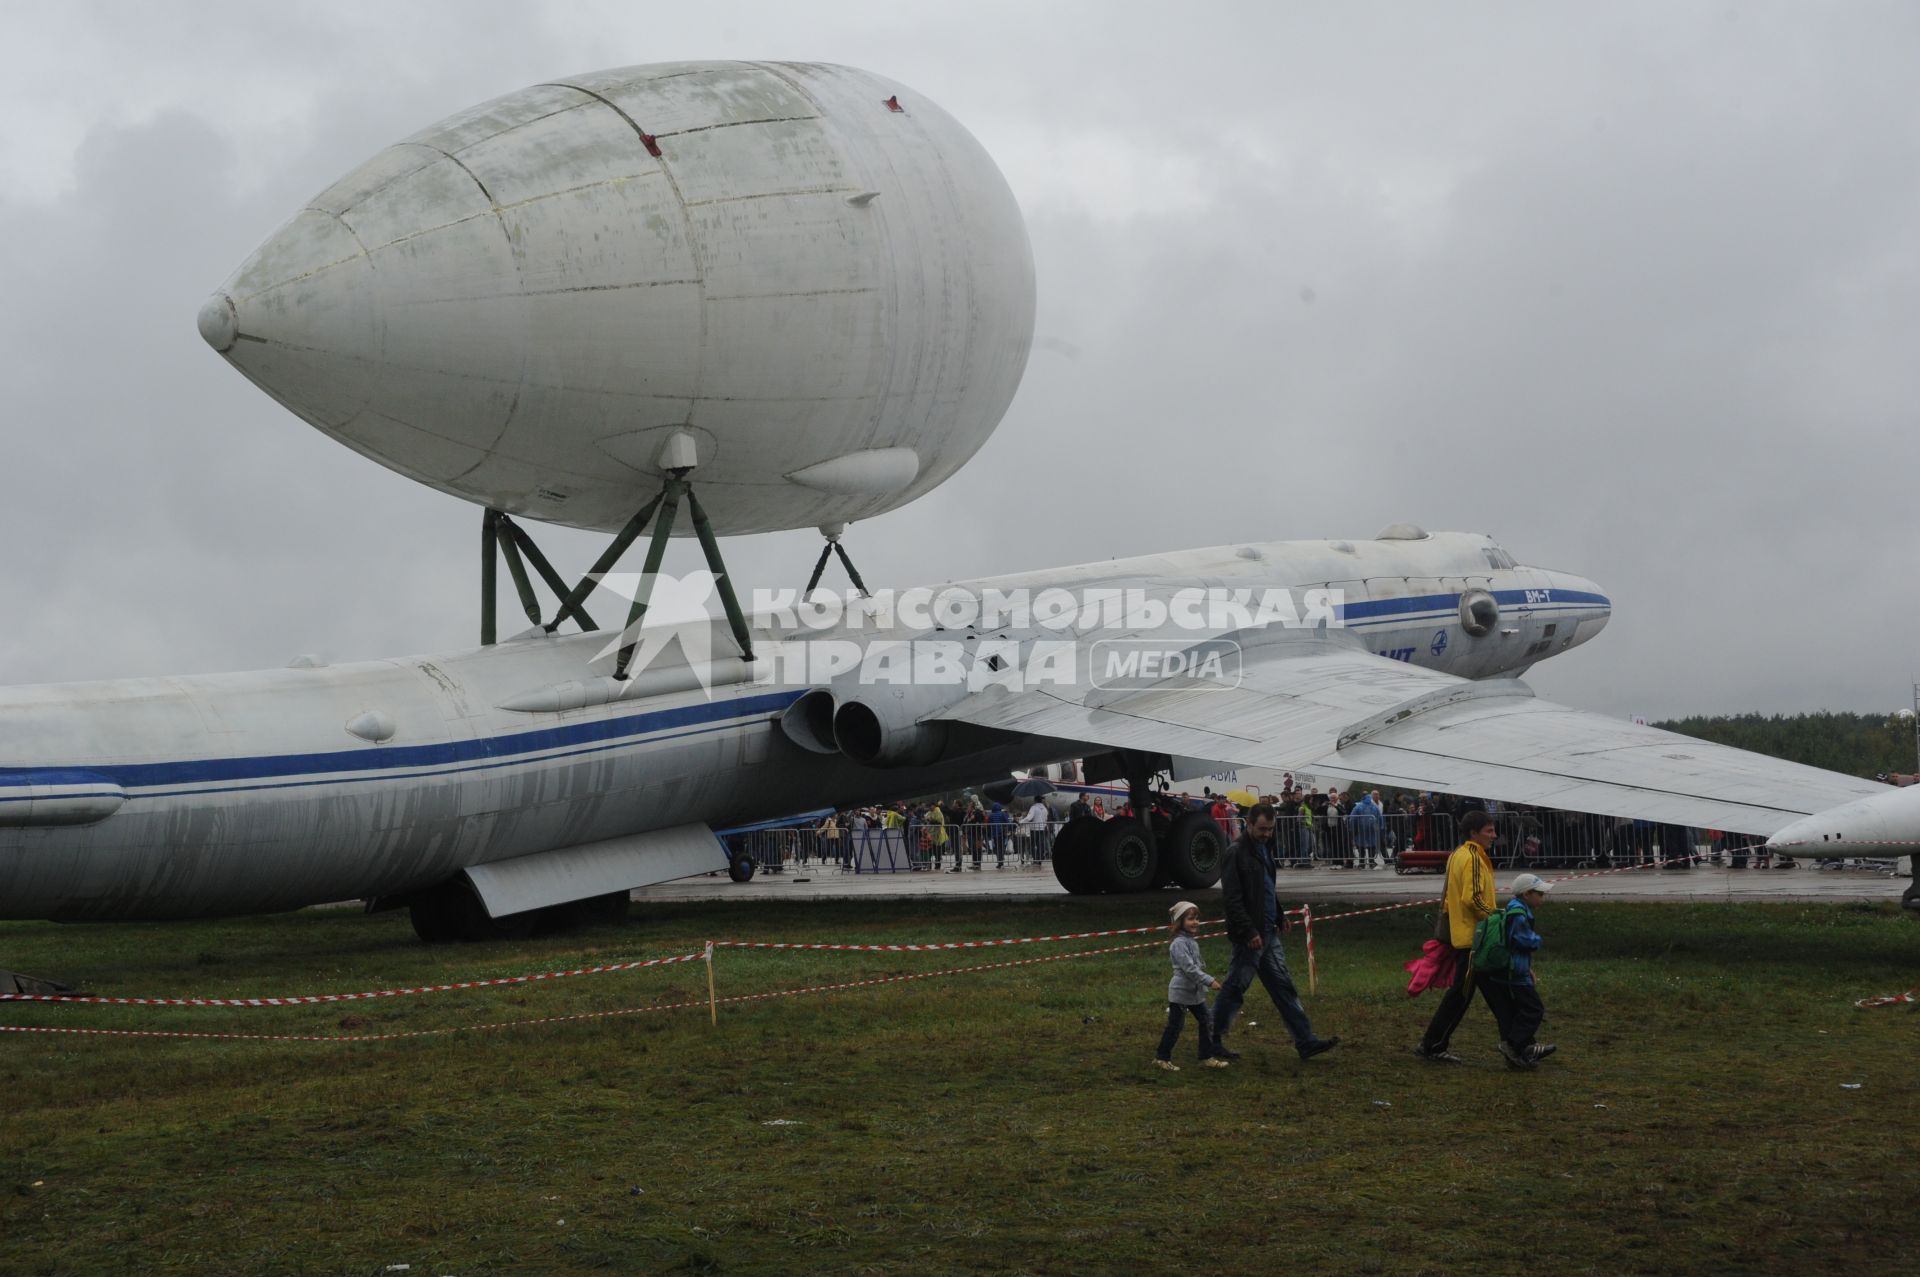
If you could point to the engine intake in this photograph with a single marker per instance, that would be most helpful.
(870, 734)
(808, 722)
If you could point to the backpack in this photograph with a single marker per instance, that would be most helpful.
(1490, 953)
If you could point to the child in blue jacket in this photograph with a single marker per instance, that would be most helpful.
(1511, 993)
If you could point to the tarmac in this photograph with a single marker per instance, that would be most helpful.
(1381, 886)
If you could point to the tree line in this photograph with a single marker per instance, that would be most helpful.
(1858, 744)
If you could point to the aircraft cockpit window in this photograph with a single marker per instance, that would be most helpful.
(1499, 558)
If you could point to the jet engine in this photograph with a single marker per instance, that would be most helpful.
(877, 725)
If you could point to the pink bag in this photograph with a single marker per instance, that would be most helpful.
(1432, 969)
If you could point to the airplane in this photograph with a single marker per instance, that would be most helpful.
(1881, 826)
(804, 292)
(493, 783)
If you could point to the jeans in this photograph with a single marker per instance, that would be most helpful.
(1452, 1008)
(1270, 964)
(1177, 1016)
(1517, 1008)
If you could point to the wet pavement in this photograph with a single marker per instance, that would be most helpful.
(1706, 882)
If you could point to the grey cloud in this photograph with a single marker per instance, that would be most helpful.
(1633, 289)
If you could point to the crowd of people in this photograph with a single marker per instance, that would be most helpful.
(1331, 828)
(939, 834)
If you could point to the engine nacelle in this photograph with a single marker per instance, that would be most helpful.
(808, 722)
(879, 726)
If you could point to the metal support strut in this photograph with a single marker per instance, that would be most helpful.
(669, 506)
(1139, 774)
(832, 532)
(501, 537)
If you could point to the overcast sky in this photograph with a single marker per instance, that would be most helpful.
(1635, 288)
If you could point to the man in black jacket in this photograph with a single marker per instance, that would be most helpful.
(1254, 922)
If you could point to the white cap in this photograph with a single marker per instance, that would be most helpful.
(1530, 882)
(1179, 910)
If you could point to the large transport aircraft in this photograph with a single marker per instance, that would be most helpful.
(489, 783)
(803, 292)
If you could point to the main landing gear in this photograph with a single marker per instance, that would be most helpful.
(1171, 846)
(452, 912)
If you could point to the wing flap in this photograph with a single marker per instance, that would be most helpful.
(1322, 706)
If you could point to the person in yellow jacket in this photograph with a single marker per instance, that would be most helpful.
(936, 822)
(1470, 897)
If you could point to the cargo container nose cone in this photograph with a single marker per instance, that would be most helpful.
(219, 325)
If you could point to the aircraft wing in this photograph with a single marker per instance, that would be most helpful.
(1318, 704)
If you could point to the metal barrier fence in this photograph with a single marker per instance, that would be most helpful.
(1528, 839)
(921, 847)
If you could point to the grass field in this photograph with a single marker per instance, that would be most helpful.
(1696, 1118)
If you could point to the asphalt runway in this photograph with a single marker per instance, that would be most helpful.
(1708, 882)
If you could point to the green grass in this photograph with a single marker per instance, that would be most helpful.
(1007, 1121)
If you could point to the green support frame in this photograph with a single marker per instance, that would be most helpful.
(501, 536)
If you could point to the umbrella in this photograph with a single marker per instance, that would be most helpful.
(1034, 788)
(1242, 798)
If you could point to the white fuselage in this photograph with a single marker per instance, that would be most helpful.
(238, 793)
(1880, 827)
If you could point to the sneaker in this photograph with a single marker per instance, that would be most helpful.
(1540, 1051)
(1318, 1046)
(1224, 1052)
(1437, 1057)
(1216, 1063)
(1168, 1065)
(1515, 1057)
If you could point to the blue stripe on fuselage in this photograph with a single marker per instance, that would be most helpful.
(382, 762)
(411, 757)
(1383, 611)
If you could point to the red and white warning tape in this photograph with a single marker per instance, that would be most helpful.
(932, 946)
(1434, 900)
(563, 1019)
(312, 998)
(309, 999)
(1304, 912)
(1889, 999)
(1313, 971)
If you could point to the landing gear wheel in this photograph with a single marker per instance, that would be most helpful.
(596, 911)
(451, 911)
(1910, 898)
(741, 868)
(1191, 850)
(1126, 856)
(430, 919)
(1073, 863)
